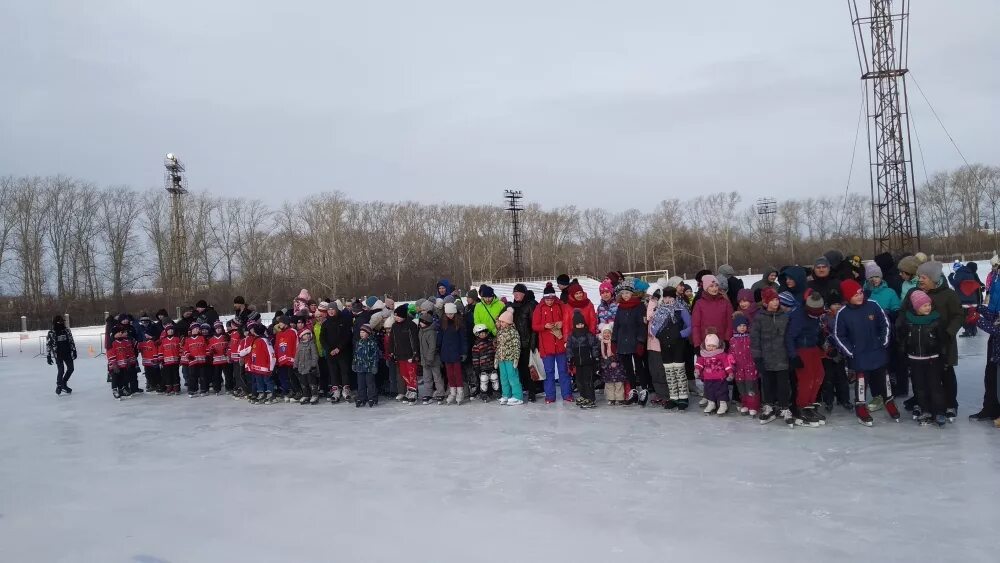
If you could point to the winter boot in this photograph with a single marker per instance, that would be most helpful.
(643, 397)
(670, 405)
(941, 420)
(890, 407)
(864, 417)
(682, 404)
(917, 412)
(951, 414)
(372, 403)
(723, 408)
(116, 394)
(335, 394)
(67, 389)
(925, 420)
(633, 396)
(709, 407)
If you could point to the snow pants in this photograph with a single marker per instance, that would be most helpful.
(227, 376)
(749, 395)
(64, 369)
(510, 381)
(657, 373)
(565, 381)
(408, 373)
(152, 377)
(339, 367)
(367, 387)
(170, 375)
(307, 382)
(775, 388)
(636, 369)
(928, 384)
(809, 377)
(716, 390)
(431, 382)
(528, 384)
(585, 382)
(835, 388)
(217, 379)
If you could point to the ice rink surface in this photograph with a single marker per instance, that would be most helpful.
(158, 479)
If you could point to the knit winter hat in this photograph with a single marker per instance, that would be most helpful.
(472, 294)
(872, 271)
(304, 295)
(377, 318)
(931, 269)
(201, 304)
(507, 316)
(909, 264)
(450, 309)
(403, 311)
(918, 299)
(257, 329)
(426, 318)
(821, 261)
(520, 288)
(439, 303)
(486, 291)
(814, 301)
(366, 328)
(387, 324)
(709, 279)
(768, 295)
(323, 306)
(563, 279)
(378, 304)
(371, 301)
(625, 285)
(740, 319)
(606, 327)
(305, 334)
(849, 288)
(711, 340)
(674, 281)
(606, 287)
(786, 299)
(921, 257)
(549, 290)
(427, 306)
(578, 317)
(727, 270)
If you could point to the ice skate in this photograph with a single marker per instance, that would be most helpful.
(426, 400)
(633, 395)
(440, 400)
(744, 411)
(670, 405)
(503, 400)
(818, 415)
(334, 395)
(116, 394)
(587, 404)
(723, 408)
(314, 399)
(612, 403)
(941, 420)
(709, 407)
(682, 404)
(806, 418)
(702, 402)
(767, 415)
(643, 397)
(484, 397)
(450, 399)
(304, 401)
(890, 407)
(951, 414)
(981, 415)
(917, 412)
(67, 389)
(58, 389)
(786, 414)
(346, 392)
(400, 397)
(864, 417)
(372, 403)
(459, 395)
(752, 413)
(192, 394)
(358, 404)
(925, 420)
(514, 401)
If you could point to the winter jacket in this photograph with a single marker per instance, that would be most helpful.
(767, 340)
(404, 341)
(671, 339)
(508, 346)
(484, 355)
(606, 312)
(862, 334)
(798, 275)
(946, 303)
(989, 321)
(121, 354)
(909, 286)
(209, 316)
(317, 329)
(993, 291)
(921, 336)
(59, 344)
(762, 284)
(285, 344)
(196, 350)
(548, 343)
(804, 331)
(451, 341)
(583, 349)
(967, 285)
(712, 313)
(488, 314)
(743, 366)
(337, 333)
(523, 312)
(884, 296)
(629, 332)
(713, 366)
(367, 356)
(306, 357)
(218, 349)
(170, 350)
(430, 357)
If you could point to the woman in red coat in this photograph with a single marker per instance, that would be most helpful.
(713, 313)
(547, 321)
(577, 299)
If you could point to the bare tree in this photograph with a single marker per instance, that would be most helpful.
(120, 209)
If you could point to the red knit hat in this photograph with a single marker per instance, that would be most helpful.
(768, 295)
(849, 288)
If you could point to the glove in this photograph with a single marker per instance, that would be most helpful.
(48, 359)
(795, 362)
(74, 354)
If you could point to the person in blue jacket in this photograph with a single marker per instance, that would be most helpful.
(861, 331)
(793, 280)
(965, 281)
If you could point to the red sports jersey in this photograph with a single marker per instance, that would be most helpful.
(121, 354)
(285, 346)
(235, 342)
(218, 346)
(261, 357)
(150, 353)
(170, 350)
(195, 350)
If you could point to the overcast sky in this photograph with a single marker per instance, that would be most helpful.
(586, 102)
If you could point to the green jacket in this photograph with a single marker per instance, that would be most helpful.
(317, 329)
(884, 296)
(488, 314)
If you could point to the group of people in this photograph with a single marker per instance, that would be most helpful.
(791, 346)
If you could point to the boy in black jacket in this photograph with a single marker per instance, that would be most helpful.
(582, 353)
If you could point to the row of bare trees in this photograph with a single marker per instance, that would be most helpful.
(67, 244)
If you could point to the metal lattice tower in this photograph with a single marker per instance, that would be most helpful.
(176, 281)
(513, 198)
(767, 208)
(882, 41)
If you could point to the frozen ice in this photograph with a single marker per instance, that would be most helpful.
(171, 479)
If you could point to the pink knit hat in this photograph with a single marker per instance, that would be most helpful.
(507, 316)
(708, 280)
(606, 287)
(918, 299)
(711, 339)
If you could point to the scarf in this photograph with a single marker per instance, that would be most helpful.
(915, 319)
(665, 314)
(630, 304)
(712, 354)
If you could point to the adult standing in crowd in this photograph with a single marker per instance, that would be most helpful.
(488, 310)
(628, 334)
(547, 321)
(733, 284)
(240, 310)
(524, 309)
(822, 280)
(205, 314)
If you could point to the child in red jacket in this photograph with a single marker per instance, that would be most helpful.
(196, 354)
(236, 380)
(218, 348)
(285, 345)
(121, 361)
(260, 362)
(151, 364)
(170, 356)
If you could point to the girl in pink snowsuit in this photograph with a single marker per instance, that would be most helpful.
(744, 370)
(714, 366)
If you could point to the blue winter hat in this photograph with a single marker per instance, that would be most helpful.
(370, 301)
(740, 319)
(786, 299)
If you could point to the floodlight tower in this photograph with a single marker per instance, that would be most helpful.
(513, 198)
(767, 208)
(176, 187)
(882, 41)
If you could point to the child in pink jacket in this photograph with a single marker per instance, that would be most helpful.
(714, 366)
(744, 370)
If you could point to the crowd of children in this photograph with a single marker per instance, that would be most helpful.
(790, 347)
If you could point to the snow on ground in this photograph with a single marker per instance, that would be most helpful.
(172, 479)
